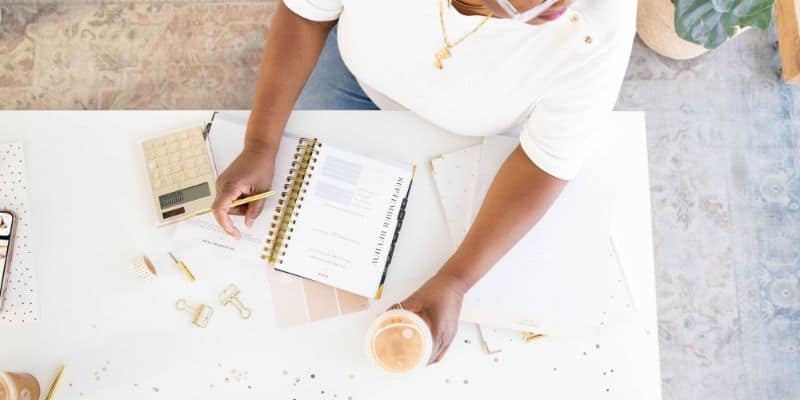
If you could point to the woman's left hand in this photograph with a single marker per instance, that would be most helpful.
(438, 302)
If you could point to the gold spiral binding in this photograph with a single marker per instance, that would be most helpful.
(286, 211)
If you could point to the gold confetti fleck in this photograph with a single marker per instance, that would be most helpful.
(156, 389)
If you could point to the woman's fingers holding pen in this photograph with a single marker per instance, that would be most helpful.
(253, 211)
(226, 194)
(250, 173)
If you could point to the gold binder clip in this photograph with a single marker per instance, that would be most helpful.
(200, 314)
(231, 296)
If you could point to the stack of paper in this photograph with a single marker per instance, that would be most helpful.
(563, 278)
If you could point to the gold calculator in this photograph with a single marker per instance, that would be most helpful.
(181, 173)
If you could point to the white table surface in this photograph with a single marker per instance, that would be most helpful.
(123, 339)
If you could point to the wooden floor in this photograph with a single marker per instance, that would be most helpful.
(723, 146)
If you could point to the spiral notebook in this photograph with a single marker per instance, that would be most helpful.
(338, 215)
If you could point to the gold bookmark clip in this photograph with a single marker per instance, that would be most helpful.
(231, 296)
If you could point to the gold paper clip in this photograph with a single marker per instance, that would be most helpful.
(200, 314)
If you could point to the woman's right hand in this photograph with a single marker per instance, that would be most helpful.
(250, 173)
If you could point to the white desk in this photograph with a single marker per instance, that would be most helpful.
(122, 339)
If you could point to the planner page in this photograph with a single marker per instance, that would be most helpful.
(346, 220)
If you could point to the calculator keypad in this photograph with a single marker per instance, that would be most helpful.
(174, 161)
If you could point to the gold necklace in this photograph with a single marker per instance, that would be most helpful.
(444, 53)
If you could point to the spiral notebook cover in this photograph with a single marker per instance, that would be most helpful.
(339, 217)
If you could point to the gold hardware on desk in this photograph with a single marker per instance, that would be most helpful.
(183, 267)
(528, 337)
(200, 314)
(231, 296)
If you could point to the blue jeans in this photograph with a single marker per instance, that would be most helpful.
(331, 86)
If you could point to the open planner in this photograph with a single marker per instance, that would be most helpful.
(337, 215)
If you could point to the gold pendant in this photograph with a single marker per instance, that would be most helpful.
(442, 55)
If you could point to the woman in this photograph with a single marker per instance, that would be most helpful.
(473, 67)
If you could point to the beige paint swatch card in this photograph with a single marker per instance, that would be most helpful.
(299, 301)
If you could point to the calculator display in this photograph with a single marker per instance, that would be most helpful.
(184, 195)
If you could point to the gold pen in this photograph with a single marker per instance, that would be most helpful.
(236, 203)
(54, 386)
(182, 266)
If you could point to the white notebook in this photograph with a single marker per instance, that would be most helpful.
(557, 278)
(338, 214)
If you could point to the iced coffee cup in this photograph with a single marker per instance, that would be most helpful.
(18, 386)
(399, 341)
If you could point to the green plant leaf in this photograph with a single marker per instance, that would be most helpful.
(711, 22)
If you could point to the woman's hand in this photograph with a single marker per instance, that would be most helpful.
(438, 302)
(251, 173)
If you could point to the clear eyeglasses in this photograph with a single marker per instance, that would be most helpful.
(526, 15)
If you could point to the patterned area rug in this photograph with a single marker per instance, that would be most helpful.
(723, 147)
